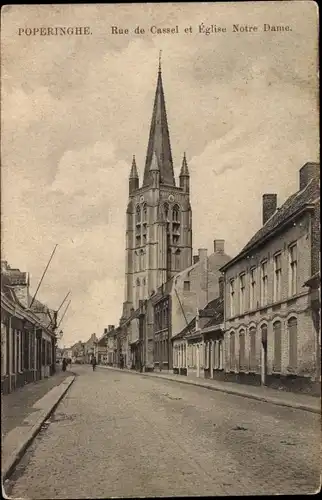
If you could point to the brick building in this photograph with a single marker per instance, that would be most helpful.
(270, 337)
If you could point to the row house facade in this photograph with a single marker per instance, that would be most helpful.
(177, 301)
(28, 339)
(270, 334)
(197, 346)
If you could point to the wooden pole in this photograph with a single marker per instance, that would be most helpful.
(43, 275)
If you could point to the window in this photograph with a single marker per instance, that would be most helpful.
(252, 350)
(145, 213)
(177, 256)
(242, 293)
(186, 286)
(252, 295)
(221, 355)
(232, 351)
(264, 283)
(14, 346)
(142, 260)
(43, 352)
(277, 277)
(166, 211)
(292, 342)
(138, 214)
(175, 214)
(242, 350)
(166, 315)
(293, 269)
(277, 330)
(232, 297)
(18, 352)
(264, 334)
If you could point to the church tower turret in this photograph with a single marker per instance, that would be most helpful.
(134, 177)
(159, 227)
(184, 176)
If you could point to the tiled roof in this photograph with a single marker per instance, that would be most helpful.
(292, 205)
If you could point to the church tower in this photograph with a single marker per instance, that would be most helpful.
(158, 217)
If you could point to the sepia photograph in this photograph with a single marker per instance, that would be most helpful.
(160, 250)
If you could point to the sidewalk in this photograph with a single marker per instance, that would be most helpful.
(23, 413)
(18, 405)
(273, 396)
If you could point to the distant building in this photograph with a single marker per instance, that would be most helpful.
(270, 335)
(89, 347)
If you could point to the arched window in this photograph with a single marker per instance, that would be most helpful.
(177, 259)
(264, 334)
(242, 350)
(252, 349)
(176, 214)
(138, 214)
(277, 330)
(145, 213)
(292, 342)
(166, 211)
(142, 260)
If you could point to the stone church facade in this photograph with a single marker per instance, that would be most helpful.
(158, 215)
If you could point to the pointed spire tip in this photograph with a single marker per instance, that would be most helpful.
(184, 166)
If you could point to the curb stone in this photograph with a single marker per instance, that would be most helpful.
(266, 399)
(23, 436)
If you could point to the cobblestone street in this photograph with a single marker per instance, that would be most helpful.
(116, 434)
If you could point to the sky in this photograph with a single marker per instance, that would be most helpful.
(243, 106)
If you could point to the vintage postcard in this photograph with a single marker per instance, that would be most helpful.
(160, 250)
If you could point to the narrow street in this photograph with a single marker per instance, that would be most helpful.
(119, 434)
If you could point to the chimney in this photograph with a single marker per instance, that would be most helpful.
(308, 172)
(203, 278)
(219, 246)
(221, 282)
(269, 206)
(110, 327)
(195, 259)
(105, 331)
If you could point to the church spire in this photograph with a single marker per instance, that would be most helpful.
(159, 138)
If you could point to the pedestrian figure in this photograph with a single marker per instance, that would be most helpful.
(64, 364)
(121, 361)
(93, 362)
